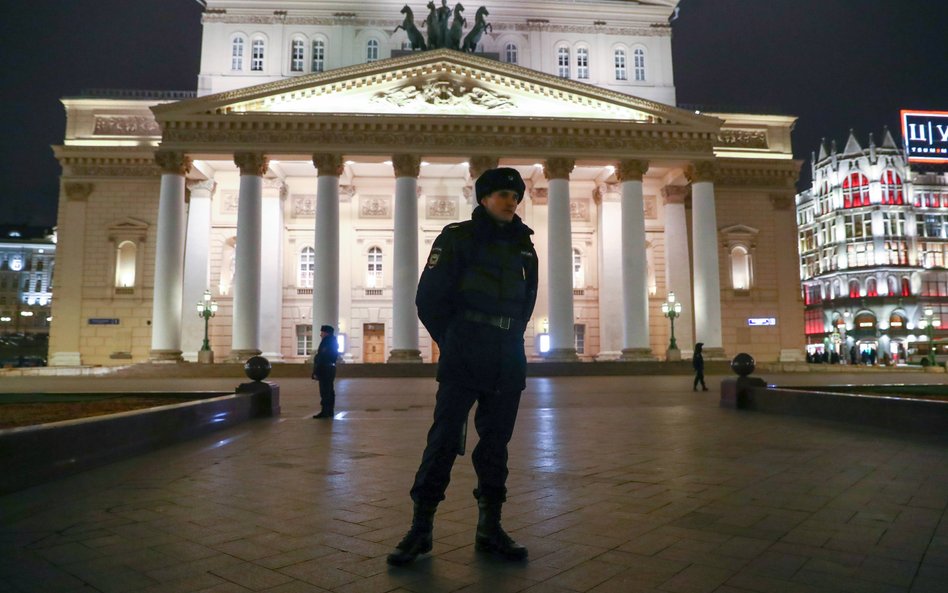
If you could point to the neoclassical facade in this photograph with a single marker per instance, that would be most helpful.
(313, 197)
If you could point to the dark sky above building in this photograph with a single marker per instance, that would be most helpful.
(835, 64)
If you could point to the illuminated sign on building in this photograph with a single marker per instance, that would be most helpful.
(925, 134)
(759, 321)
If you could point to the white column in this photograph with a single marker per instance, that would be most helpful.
(70, 258)
(246, 336)
(636, 345)
(326, 277)
(404, 316)
(705, 249)
(271, 270)
(678, 264)
(610, 283)
(196, 266)
(169, 258)
(560, 261)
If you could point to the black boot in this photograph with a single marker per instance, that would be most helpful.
(491, 537)
(418, 539)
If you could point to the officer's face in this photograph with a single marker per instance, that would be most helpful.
(501, 205)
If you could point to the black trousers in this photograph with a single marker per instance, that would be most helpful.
(699, 378)
(327, 390)
(494, 421)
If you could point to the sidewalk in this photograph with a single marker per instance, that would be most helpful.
(617, 484)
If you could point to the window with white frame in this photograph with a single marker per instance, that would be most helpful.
(579, 274)
(304, 340)
(579, 333)
(372, 50)
(621, 66)
(125, 263)
(319, 55)
(256, 55)
(511, 53)
(297, 55)
(237, 54)
(373, 278)
(638, 64)
(582, 63)
(562, 62)
(307, 267)
(741, 270)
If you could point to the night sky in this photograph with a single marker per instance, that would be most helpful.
(835, 64)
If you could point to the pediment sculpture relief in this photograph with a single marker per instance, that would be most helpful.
(445, 93)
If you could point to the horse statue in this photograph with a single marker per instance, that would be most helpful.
(480, 25)
(434, 30)
(415, 37)
(457, 28)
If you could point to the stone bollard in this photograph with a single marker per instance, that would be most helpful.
(735, 393)
(266, 400)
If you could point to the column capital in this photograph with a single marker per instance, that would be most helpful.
(173, 162)
(674, 194)
(76, 191)
(701, 171)
(328, 164)
(251, 163)
(478, 164)
(631, 170)
(558, 168)
(781, 201)
(202, 185)
(406, 165)
(275, 183)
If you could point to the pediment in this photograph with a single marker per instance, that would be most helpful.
(438, 83)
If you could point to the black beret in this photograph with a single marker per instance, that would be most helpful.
(499, 179)
(327, 328)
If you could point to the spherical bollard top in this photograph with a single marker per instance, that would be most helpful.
(257, 368)
(743, 364)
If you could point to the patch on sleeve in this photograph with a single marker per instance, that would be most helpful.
(434, 257)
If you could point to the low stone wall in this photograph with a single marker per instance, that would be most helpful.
(33, 454)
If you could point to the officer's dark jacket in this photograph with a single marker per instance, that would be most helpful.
(326, 355)
(479, 266)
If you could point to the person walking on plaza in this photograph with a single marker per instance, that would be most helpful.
(698, 363)
(324, 371)
(475, 297)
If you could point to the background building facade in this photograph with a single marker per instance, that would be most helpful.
(873, 237)
(306, 181)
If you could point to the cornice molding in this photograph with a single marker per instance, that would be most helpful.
(758, 175)
(102, 163)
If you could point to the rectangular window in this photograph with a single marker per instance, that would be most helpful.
(304, 340)
(579, 331)
(861, 254)
(894, 224)
(621, 73)
(319, 56)
(858, 226)
(639, 64)
(814, 322)
(297, 57)
(256, 55)
(237, 54)
(563, 62)
(897, 252)
(582, 63)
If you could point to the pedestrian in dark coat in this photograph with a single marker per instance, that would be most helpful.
(475, 297)
(698, 363)
(324, 371)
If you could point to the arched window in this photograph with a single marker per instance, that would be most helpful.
(373, 278)
(855, 191)
(511, 53)
(837, 289)
(741, 273)
(865, 321)
(372, 50)
(896, 321)
(562, 62)
(297, 55)
(871, 288)
(237, 53)
(307, 267)
(892, 188)
(579, 274)
(125, 260)
(638, 64)
(891, 285)
(854, 289)
(228, 266)
(621, 66)
(319, 55)
(582, 63)
(256, 55)
(906, 286)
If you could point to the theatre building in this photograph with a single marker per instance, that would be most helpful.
(306, 179)
(873, 235)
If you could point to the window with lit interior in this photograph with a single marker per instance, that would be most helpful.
(621, 66)
(579, 274)
(582, 63)
(562, 62)
(373, 277)
(855, 191)
(741, 269)
(319, 55)
(638, 64)
(892, 192)
(511, 53)
(297, 55)
(257, 49)
(237, 54)
(307, 267)
(125, 260)
(372, 50)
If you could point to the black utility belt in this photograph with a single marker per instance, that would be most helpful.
(499, 321)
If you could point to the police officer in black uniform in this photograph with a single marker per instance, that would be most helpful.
(324, 371)
(475, 297)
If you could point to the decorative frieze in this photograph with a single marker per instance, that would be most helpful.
(445, 96)
(558, 168)
(442, 207)
(776, 175)
(125, 125)
(579, 210)
(251, 163)
(375, 207)
(756, 139)
(329, 164)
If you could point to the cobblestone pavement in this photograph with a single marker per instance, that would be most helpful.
(617, 485)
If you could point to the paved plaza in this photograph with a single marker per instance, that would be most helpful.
(617, 485)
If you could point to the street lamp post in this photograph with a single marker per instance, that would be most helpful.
(206, 308)
(672, 309)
